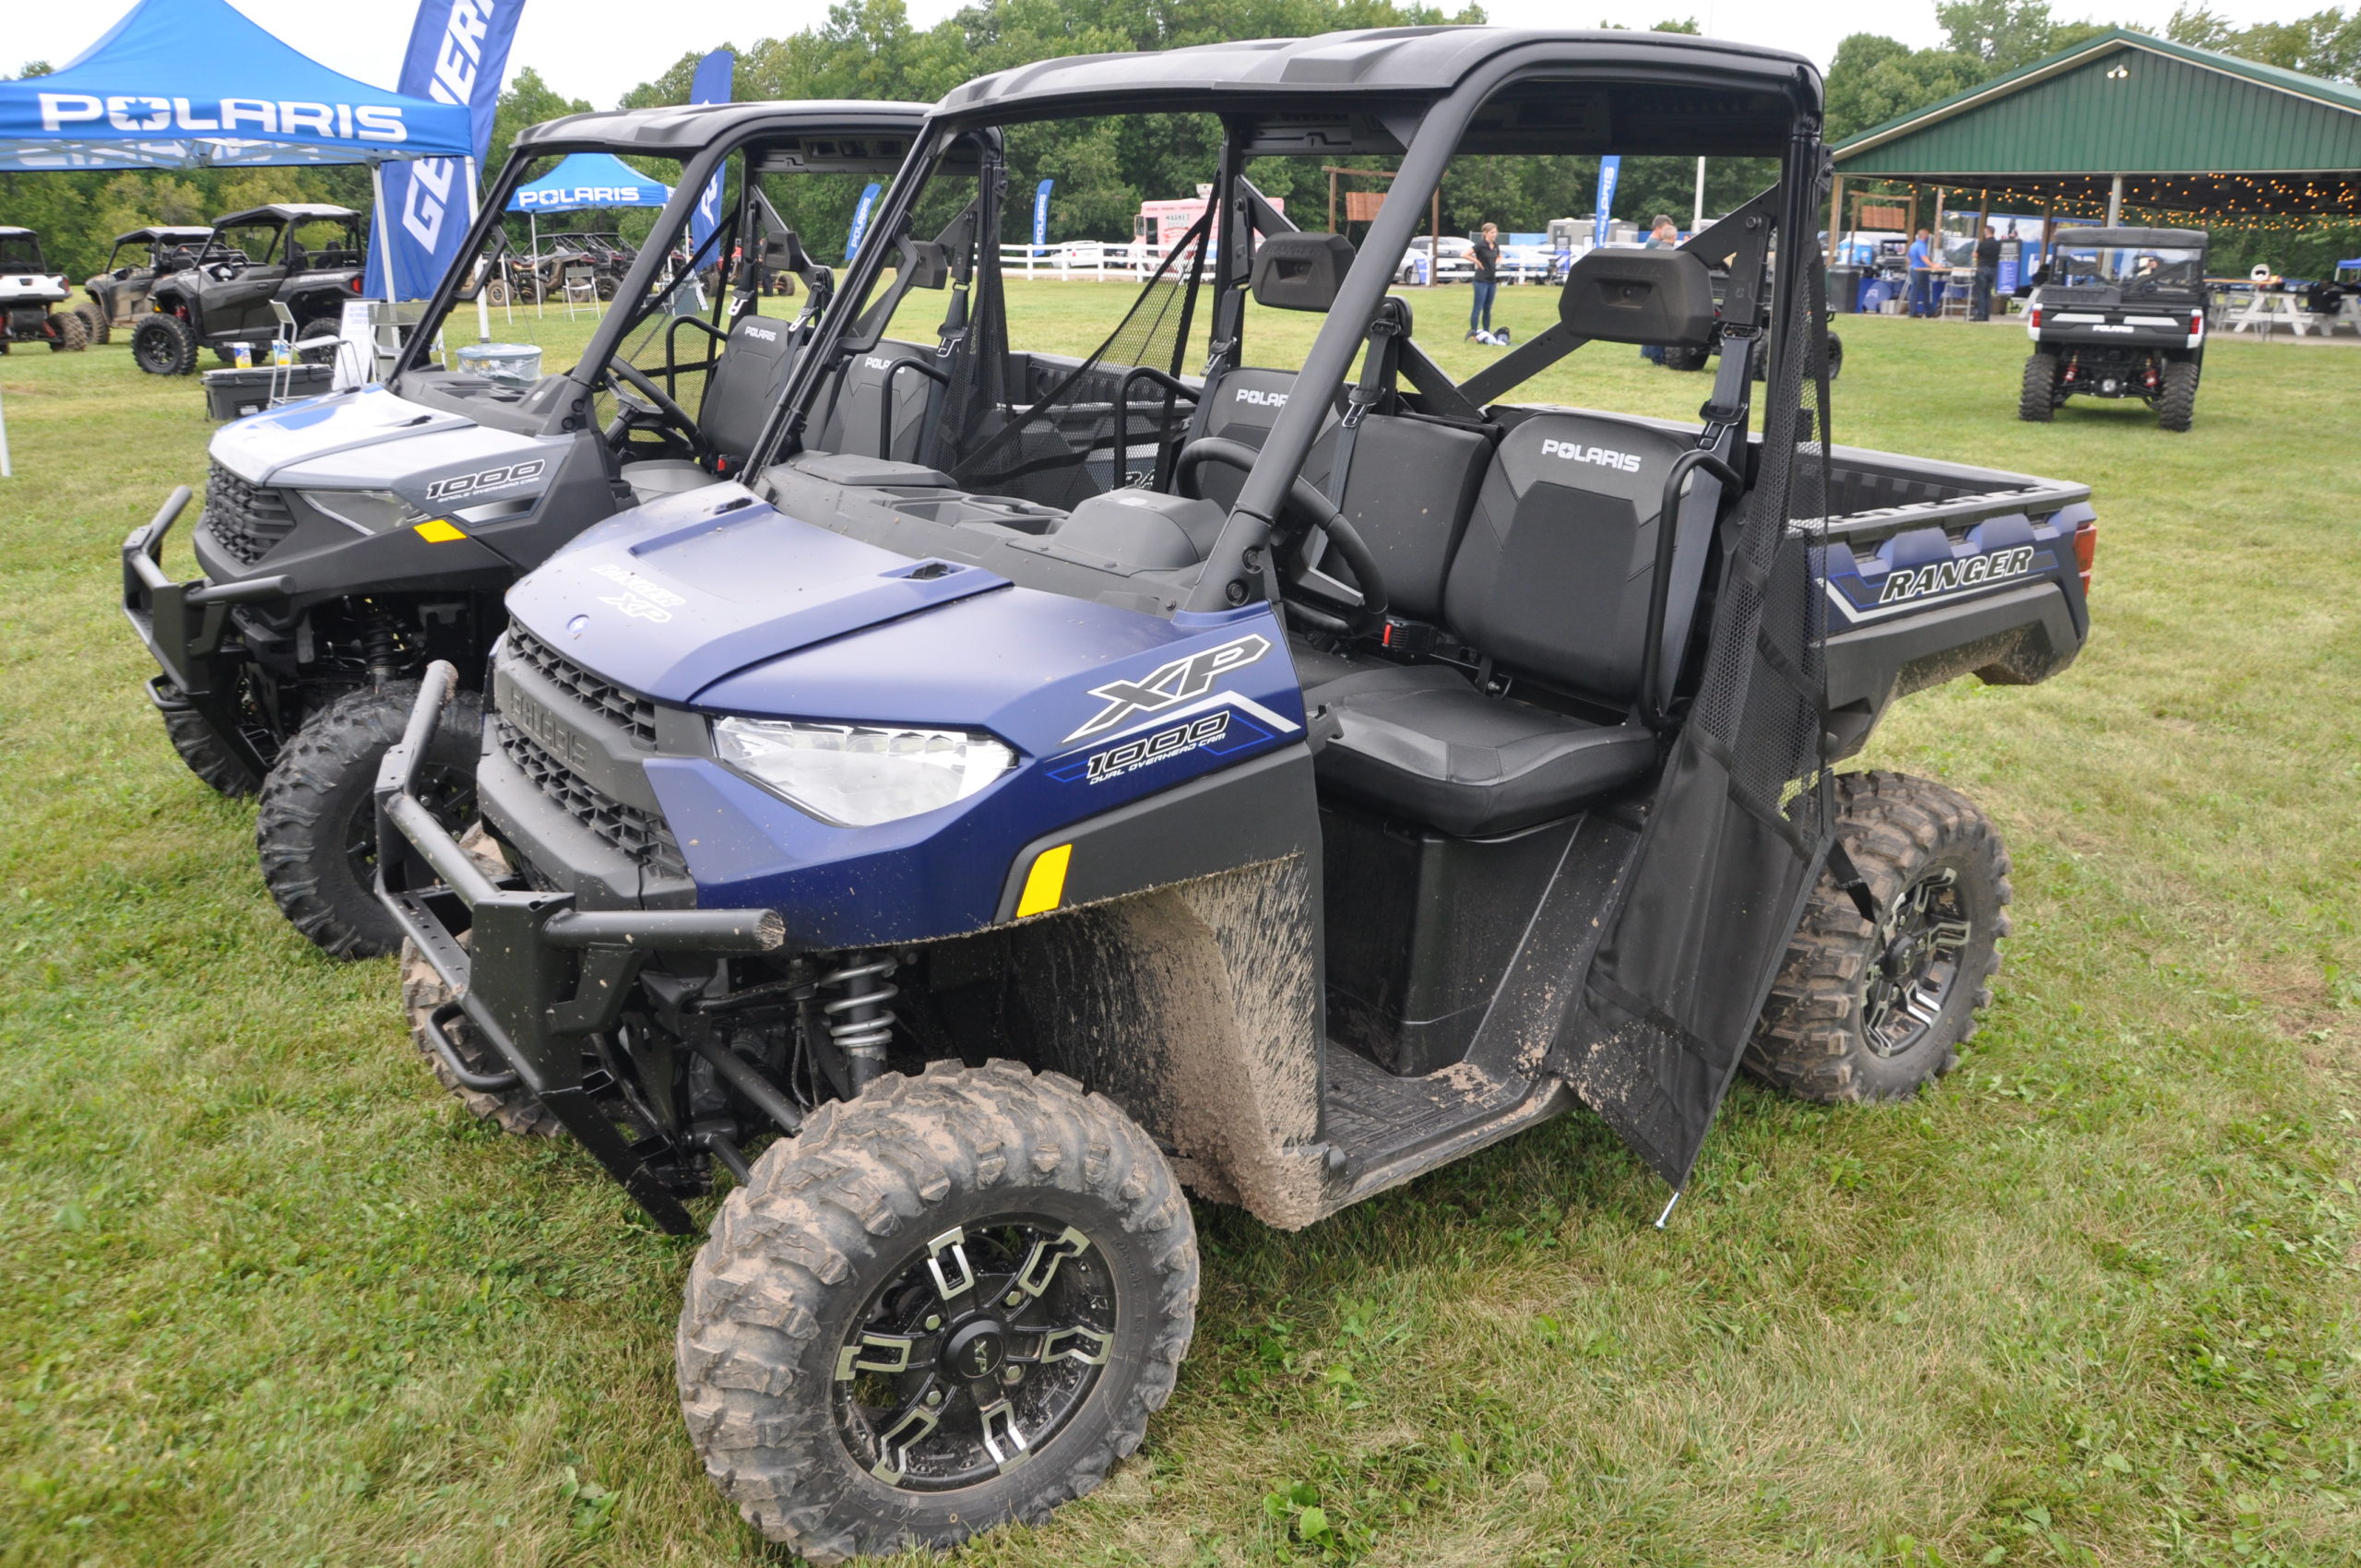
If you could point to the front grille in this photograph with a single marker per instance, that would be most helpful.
(636, 716)
(246, 520)
(641, 836)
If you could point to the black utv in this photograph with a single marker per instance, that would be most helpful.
(31, 295)
(347, 540)
(118, 295)
(305, 256)
(1211, 765)
(2117, 313)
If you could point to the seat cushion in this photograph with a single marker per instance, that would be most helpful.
(1421, 742)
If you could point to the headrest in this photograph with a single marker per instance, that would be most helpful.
(783, 252)
(1623, 296)
(1301, 271)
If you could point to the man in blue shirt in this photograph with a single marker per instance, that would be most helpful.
(1922, 276)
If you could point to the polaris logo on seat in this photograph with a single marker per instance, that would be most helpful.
(873, 362)
(1944, 576)
(1261, 399)
(764, 333)
(1575, 452)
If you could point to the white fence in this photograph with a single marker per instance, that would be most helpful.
(1097, 261)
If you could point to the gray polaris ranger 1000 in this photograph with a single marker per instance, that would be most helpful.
(346, 540)
(1213, 764)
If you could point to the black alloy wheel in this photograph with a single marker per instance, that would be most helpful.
(980, 1348)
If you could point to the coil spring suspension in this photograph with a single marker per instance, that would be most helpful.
(860, 1022)
(381, 646)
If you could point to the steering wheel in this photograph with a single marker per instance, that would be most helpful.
(1311, 597)
(652, 410)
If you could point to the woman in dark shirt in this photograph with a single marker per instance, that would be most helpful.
(1487, 282)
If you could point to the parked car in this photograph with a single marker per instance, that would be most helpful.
(1458, 263)
(305, 256)
(118, 295)
(29, 297)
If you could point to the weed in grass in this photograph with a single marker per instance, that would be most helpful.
(268, 1297)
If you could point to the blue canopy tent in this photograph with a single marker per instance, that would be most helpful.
(584, 180)
(180, 84)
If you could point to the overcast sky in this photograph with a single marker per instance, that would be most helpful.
(600, 49)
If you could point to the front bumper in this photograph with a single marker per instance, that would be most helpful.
(186, 627)
(537, 976)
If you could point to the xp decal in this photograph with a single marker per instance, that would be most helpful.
(642, 600)
(1173, 683)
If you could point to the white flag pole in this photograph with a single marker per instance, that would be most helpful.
(483, 311)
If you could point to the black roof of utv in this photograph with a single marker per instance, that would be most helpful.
(680, 130)
(1608, 91)
(2132, 238)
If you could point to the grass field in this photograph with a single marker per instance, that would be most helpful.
(268, 1297)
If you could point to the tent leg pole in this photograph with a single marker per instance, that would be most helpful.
(483, 311)
(2115, 204)
(1835, 216)
(1697, 208)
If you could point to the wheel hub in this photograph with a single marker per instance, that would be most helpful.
(1906, 991)
(979, 1348)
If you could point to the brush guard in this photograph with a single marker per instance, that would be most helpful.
(185, 628)
(539, 976)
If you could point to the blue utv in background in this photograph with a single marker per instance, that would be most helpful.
(1151, 771)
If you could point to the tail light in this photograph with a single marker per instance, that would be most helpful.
(2034, 316)
(354, 284)
(2195, 325)
(2086, 550)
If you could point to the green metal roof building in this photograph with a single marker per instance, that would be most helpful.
(2126, 120)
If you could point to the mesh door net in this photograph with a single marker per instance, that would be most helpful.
(1741, 819)
(1062, 448)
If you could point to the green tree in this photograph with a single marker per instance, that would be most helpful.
(2326, 43)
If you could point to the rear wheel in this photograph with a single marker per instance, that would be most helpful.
(66, 333)
(164, 345)
(317, 825)
(1864, 1012)
(1685, 359)
(945, 1305)
(96, 329)
(2039, 399)
(2177, 404)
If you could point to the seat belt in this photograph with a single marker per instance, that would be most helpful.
(1376, 384)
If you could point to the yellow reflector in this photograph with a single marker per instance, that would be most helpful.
(439, 531)
(1046, 883)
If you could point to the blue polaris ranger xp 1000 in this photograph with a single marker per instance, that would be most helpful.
(1242, 758)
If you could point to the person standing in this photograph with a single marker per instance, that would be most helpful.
(1487, 283)
(1662, 236)
(1922, 276)
(1988, 272)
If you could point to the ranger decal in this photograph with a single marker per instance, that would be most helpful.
(1903, 582)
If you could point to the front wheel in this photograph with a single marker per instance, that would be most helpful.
(317, 825)
(2038, 399)
(1873, 1012)
(96, 327)
(164, 345)
(2177, 404)
(194, 738)
(945, 1305)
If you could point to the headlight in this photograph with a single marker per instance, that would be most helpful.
(857, 775)
(370, 511)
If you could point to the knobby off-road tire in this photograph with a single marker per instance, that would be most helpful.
(318, 826)
(2039, 402)
(164, 345)
(96, 327)
(194, 739)
(868, 1222)
(2177, 404)
(1863, 1014)
(67, 334)
(511, 1109)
